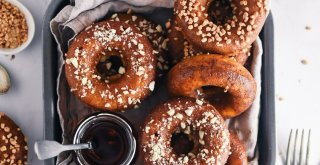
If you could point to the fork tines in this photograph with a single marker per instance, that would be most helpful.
(298, 147)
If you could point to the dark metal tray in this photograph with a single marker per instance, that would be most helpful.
(266, 134)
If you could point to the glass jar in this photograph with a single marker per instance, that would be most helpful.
(111, 137)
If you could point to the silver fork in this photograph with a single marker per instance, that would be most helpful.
(296, 156)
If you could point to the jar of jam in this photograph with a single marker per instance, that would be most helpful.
(112, 139)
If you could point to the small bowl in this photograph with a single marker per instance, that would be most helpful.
(31, 29)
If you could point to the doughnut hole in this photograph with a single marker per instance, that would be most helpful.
(217, 96)
(111, 67)
(220, 11)
(181, 143)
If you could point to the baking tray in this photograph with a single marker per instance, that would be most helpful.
(267, 130)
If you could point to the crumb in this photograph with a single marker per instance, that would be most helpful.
(304, 62)
(308, 27)
(168, 24)
(12, 57)
(280, 98)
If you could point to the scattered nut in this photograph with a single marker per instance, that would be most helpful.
(280, 98)
(304, 62)
(12, 57)
(308, 27)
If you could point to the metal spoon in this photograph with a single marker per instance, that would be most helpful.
(48, 149)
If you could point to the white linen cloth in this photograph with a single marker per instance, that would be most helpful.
(72, 19)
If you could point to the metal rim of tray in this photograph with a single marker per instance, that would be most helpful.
(266, 138)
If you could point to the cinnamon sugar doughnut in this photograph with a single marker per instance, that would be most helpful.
(231, 34)
(136, 79)
(13, 144)
(180, 48)
(155, 34)
(238, 154)
(192, 76)
(180, 124)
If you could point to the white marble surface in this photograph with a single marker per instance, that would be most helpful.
(297, 84)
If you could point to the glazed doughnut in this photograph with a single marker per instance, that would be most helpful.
(238, 154)
(192, 76)
(13, 144)
(137, 74)
(180, 48)
(223, 36)
(155, 34)
(185, 131)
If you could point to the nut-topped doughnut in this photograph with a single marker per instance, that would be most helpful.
(180, 48)
(155, 34)
(234, 88)
(184, 131)
(238, 154)
(104, 39)
(13, 144)
(234, 30)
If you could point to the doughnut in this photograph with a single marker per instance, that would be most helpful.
(134, 80)
(13, 144)
(222, 27)
(155, 34)
(231, 87)
(180, 48)
(184, 131)
(238, 154)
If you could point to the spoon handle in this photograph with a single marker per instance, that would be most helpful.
(48, 149)
(78, 146)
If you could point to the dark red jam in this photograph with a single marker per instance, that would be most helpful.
(109, 141)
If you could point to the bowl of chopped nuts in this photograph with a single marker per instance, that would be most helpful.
(17, 27)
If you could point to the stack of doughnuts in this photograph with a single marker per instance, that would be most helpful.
(114, 64)
(210, 42)
(208, 47)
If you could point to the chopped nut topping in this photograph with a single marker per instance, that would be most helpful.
(199, 102)
(122, 70)
(13, 26)
(171, 112)
(151, 86)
